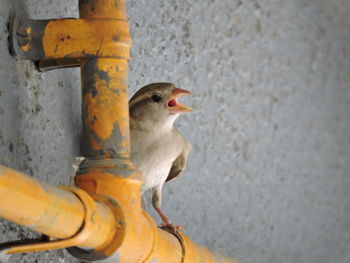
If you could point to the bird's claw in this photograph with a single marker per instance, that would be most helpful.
(167, 225)
(170, 227)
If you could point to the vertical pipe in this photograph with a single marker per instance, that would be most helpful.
(107, 169)
(105, 108)
(104, 81)
(105, 85)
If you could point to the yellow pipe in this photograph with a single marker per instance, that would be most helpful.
(60, 214)
(75, 38)
(50, 210)
(106, 138)
(105, 109)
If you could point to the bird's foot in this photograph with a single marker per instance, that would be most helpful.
(170, 227)
(167, 225)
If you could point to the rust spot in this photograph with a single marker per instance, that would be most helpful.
(116, 38)
(93, 91)
(94, 118)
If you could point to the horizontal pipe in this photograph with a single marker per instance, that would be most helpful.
(79, 38)
(50, 210)
(59, 214)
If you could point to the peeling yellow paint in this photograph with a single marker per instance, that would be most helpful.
(77, 38)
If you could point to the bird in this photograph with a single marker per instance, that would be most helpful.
(158, 149)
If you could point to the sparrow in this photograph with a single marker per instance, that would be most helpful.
(158, 149)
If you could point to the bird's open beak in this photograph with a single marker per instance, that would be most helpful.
(172, 104)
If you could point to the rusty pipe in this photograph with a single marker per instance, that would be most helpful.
(60, 214)
(50, 210)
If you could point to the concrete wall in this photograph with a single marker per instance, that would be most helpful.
(268, 178)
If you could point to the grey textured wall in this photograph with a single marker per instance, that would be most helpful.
(268, 179)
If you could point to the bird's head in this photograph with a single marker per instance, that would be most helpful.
(156, 104)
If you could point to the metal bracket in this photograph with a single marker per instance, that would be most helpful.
(60, 43)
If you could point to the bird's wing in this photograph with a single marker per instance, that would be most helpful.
(176, 169)
(179, 164)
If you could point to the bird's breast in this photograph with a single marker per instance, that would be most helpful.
(153, 157)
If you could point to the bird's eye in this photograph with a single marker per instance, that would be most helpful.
(156, 98)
